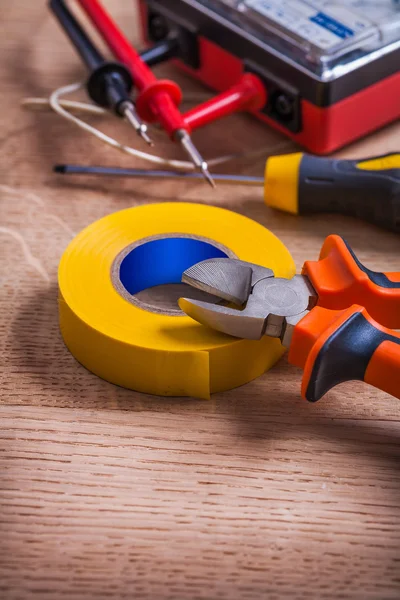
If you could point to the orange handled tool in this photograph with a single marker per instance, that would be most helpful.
(346, 336)
(335, 317)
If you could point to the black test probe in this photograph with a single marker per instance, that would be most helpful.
(109, 83)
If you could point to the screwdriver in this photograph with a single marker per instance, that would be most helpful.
(300, 184)
(157, 100)
(109, 83)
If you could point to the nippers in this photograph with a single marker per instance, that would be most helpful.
(335, 317)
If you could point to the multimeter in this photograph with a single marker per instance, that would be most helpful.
(331, 68)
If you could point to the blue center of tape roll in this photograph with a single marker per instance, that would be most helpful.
(162, 261)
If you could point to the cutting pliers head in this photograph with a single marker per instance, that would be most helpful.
(263, 304)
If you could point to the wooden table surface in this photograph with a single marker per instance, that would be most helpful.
(107, 493)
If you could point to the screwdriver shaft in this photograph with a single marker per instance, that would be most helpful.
(154, 174)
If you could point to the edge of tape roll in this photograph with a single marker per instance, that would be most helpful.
(162, 354)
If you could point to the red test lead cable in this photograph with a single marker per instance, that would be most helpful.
(248, 94)
(157, 99)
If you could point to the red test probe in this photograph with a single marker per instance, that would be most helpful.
(157, 99)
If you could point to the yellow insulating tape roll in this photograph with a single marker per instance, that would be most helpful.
(155, 353)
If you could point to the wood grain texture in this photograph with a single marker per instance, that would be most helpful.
(105, 493)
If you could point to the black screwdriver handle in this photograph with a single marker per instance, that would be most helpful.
(83, 44)
(366, 189)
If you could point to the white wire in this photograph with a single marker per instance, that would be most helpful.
(60, 106)
(72, 105)
(74, 87)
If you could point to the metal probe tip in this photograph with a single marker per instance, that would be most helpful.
(131, 115)
(144, 135)
(207, 175)
(184, 138)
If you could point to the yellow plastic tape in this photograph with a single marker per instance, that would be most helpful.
(113, 336)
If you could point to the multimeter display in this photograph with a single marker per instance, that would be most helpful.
(327, 37)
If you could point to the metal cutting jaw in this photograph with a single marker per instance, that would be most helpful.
(263, 304)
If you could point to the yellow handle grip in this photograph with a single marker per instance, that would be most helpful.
(281, 182)
(381, 163)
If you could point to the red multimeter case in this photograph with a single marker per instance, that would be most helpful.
(331, 68)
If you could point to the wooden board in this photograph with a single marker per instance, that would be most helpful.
(106, 493)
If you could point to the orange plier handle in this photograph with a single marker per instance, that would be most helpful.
(347, 336)
(336, 346)
(341, 280)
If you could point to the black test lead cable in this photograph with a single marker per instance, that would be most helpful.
(109, 83)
